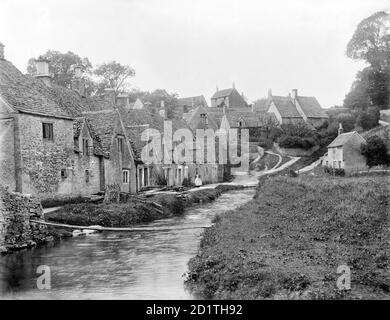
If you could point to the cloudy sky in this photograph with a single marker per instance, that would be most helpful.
(190, 47)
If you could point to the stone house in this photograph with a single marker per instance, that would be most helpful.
(190, 103)
(229, 98)
(119, 166)
(344, 153)
(294, 108)
(37, 119)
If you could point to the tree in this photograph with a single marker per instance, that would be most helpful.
(347, 121)
(371, 41)
(369, 118)
(61, 66)
(113, 75)
(375, 151)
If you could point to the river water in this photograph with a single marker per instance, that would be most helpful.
(112, 265)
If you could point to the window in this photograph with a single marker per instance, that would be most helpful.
(76, 142)
(334, 164)
(86, 147)
(63, 173)
(204, 118)
(47, 131)
(339, 164)
(125, 176)
(120, 144)
(87, 176)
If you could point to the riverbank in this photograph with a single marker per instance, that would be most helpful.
(288, 242)
(132, 211)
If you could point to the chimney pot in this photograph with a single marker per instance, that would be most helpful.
(2, 51)
(42, 66)
(294, 93)
(340, 130)
(269, 92)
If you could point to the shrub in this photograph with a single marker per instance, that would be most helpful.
(159, 178)
(265, 143)
(187, 182)
(334, 171)
(286, 141)
(376, 152)
(369, 118)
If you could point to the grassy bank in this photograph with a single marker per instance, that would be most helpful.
(288, 242)
(133, 211)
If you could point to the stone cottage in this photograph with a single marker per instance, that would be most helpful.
(38, 148)
(119, 166)
(294, 108)
(344, 153)
(229, 98)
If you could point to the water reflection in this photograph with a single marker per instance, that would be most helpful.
(147, 265)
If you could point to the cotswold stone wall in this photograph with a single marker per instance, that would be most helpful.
(16, 229)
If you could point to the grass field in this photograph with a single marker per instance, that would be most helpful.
(288, 242)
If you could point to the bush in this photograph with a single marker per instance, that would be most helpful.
(369, 118)
(49, 203)
(286, 141)
(159, 178)
(334, 171)
(265, 143)
(376, 152)
(187, 182)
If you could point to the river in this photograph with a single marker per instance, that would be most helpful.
(112, 265)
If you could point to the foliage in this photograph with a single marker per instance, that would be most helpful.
(265, 143)
(159, 178)
(61, 66)
(334, 171)
(347, 121)
(375, 151)
(300, 129)
(371, 40)
(369, 118)
(113, 75)
(286, 141)
(187, 182)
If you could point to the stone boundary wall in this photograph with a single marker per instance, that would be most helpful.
(295, 152)
(16, 230)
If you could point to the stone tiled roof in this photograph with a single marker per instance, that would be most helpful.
(341, 139)
(261, 105)
(97, 145)
(222, 93)
(27, 94)
(311, 107)
(103, 125)
(249, 119)
(285, 107)
(196, 101)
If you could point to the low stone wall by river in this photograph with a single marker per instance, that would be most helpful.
(16, 230)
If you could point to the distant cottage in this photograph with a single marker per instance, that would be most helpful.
(229, 98)
(344, 153)
(293, 108)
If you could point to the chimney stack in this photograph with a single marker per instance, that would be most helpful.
(123, 100)
(294, 93)
(341, 130)
(42, 66)
(234, 85)
(269, 93)
(2, 51)
(77, 82)
(109, 95)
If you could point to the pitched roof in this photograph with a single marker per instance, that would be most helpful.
(311, 107)
(97, 145)
(341, 139)
(189, 101)
(29, 95)
(222, 93)
(261, 105)
(249, 118)
(285, 107)
(103, 123)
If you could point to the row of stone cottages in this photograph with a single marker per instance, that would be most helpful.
(57, 143)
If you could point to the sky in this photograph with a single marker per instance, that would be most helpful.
(191, 47)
